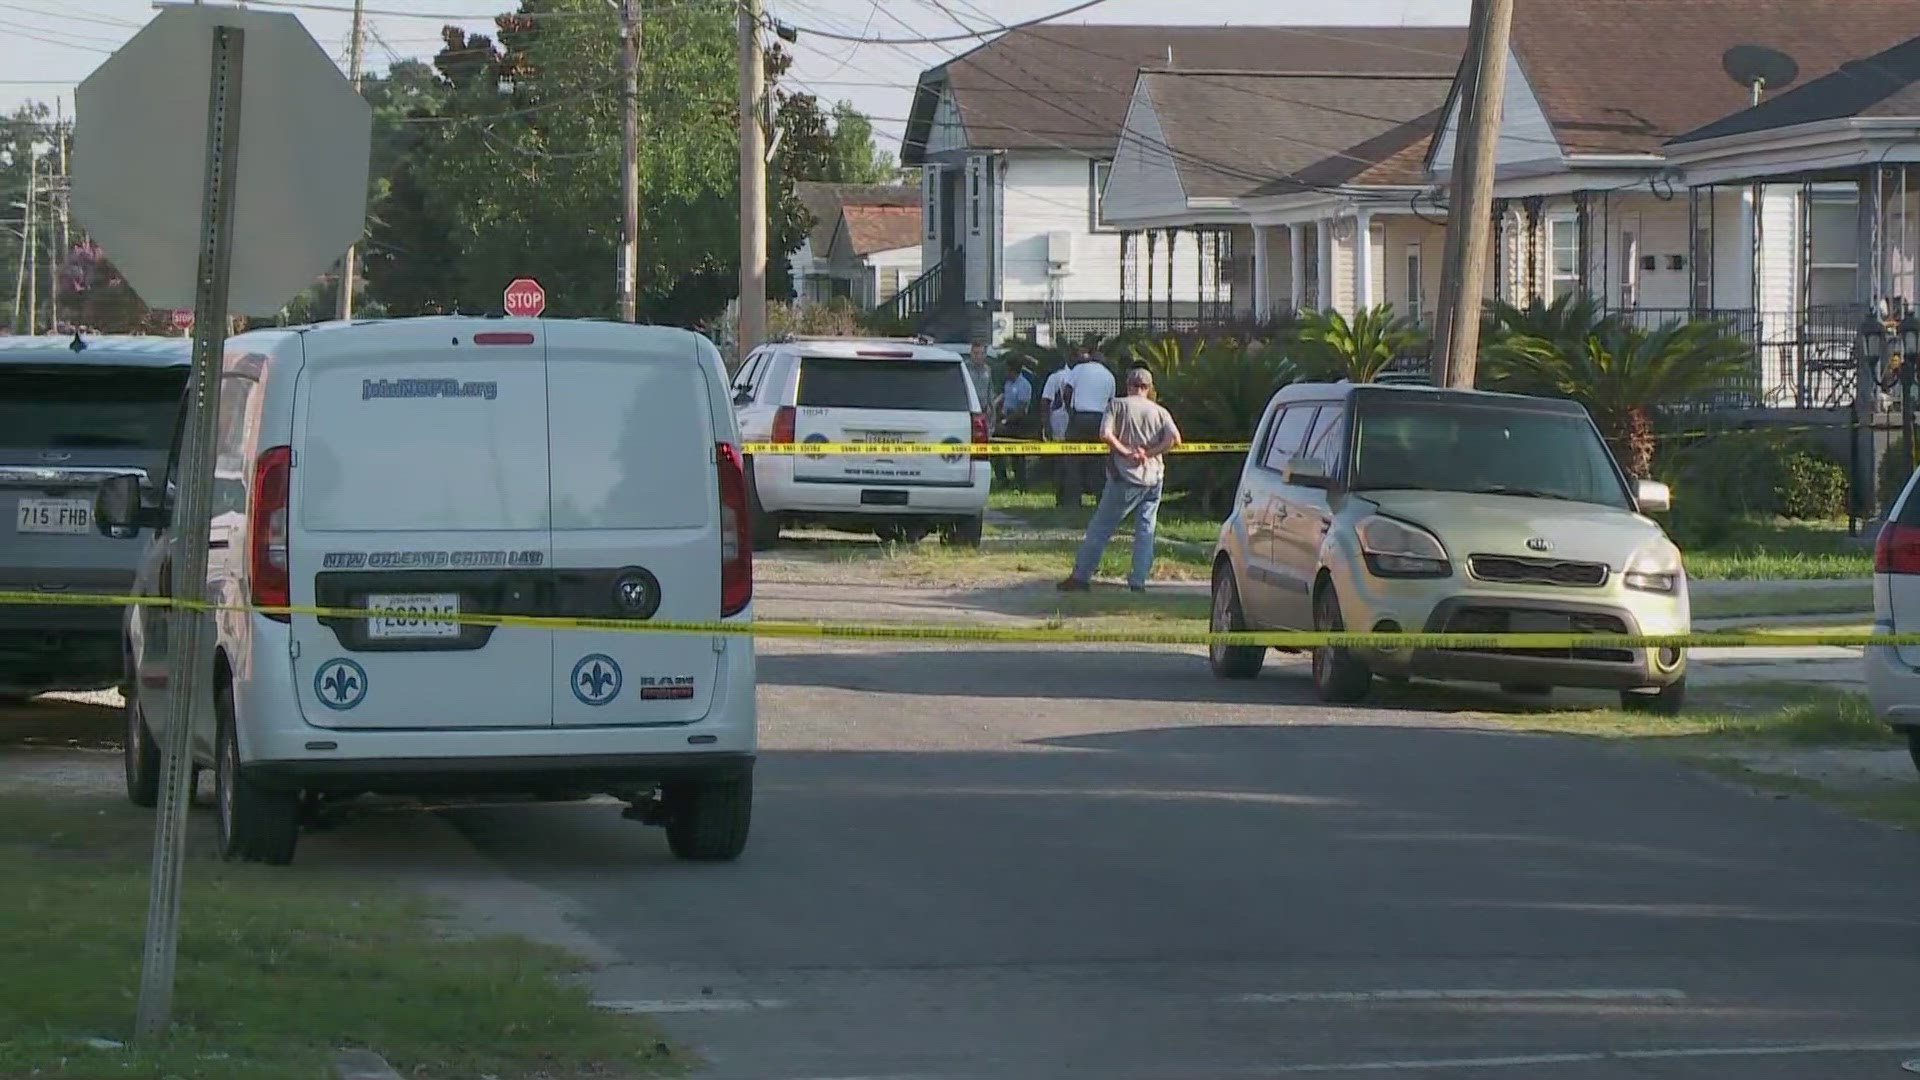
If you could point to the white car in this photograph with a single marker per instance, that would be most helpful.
(846, 390)
(460, 466)
(1893, 672)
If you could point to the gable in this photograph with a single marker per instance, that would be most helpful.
(1527, 142)
(1144, 181)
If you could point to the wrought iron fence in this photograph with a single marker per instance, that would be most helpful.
(1802, 358)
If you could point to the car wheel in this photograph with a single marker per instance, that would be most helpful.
(1339, 674)
(257, 824)
(967, 532)
(708, 816)
(140, 757)
(1230, 661)
(1666, 701)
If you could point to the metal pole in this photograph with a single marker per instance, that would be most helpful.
(753, 183)
(65, 194)
(33, 243)
(26, 246)
(349, 263)
(629, 272)
(192, 661)
(1470, 205)
(53, 250)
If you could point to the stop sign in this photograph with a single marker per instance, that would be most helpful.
(183, 318)
(525, 298)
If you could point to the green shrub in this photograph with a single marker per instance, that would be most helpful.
(1732, 475)
(1810, 487)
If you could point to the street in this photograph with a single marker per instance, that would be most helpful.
(1030, 861)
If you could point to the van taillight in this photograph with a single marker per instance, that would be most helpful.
(268, 560)
(783, 420)
(1897, 551)
(980, 435)
(736, 531)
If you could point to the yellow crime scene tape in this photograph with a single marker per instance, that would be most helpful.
(1281, 639)
(997, 448)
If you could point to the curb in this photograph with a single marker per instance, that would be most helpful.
(362, 1065)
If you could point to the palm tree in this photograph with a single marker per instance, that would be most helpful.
(1621, 373)
(1333, 348)
(1567, 322)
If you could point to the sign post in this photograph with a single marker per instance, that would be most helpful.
(192, 517)
(291, 183)
(525, 299)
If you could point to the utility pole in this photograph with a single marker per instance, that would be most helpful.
(753, 183)
(26, 245)
(1463, 270)
(630, 42)
(348, 263)
(33, 242)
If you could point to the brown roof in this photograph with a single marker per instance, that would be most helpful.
(881, 228)
(1625, 76)
(1238, 133)
(824, 201)
(1883, 85)
(1067, 87)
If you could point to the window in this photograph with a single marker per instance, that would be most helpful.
(1563, 256)
(974, 169)
(1416, 282)
(1097, 173)
(1834, 272)
(842, 383)
(1328, 442)
(1421, 446)
(1629, 269)
(91, 407)
(1289, 431)
(929, 211)
(1703, 266)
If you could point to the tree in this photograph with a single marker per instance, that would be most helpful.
(1333, 348)
(856, 159)
(1622, 373)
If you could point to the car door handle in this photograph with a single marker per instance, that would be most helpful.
(1246, 498)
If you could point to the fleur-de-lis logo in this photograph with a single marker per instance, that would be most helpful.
(340, 684)
(596, 679)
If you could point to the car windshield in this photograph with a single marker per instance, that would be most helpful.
(1491, 450)
(842, 383)
(85, 407)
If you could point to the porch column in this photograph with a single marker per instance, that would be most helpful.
(1323, 297)
(1262, 267)
(1296, 266)
(1363, 297)
(1866, 397)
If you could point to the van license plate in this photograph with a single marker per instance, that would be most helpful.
(71, 516)
(424, 616)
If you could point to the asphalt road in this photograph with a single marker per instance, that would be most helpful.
(1025, 862)
(1028, 862)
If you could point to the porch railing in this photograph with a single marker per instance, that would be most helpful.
(934, 292)
(1803, 358)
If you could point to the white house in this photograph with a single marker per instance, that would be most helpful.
(865, 277)
(1016, 139)
(874, 251)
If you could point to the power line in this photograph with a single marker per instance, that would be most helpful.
(935, 39)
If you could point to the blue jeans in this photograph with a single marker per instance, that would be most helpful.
(1118, 499)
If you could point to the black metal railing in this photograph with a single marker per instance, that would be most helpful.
(1802, 358)
(935, 292)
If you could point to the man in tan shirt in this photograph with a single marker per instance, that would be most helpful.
(1138, 434)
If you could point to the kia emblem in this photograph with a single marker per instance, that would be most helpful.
(1539, 543)
(55, 455)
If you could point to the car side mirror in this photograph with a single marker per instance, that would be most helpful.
(743, 397)
(120, 510)
(1306, 472)
(1653, 496)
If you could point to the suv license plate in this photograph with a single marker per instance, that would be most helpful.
(424, 616)
(71, 516)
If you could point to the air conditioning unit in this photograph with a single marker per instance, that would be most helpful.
(1059, 252)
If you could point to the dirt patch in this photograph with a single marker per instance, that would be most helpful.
(1845, 769)
(91, 721)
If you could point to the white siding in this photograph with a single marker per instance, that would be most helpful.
(1146, 182)
(1341, 272)
(1526, 139)
(1049, 191)
(1397, 234)
(977, 226)
(948, 133)
(929, 215)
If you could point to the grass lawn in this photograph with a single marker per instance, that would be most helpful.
(1000, 561)
(278, 968)
(1775, 551)
(1845, 599)
(1036, 509)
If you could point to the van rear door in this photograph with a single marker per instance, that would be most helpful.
(636, 523)
(420, 484)
(886, 396)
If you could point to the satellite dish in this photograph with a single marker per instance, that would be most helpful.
(1759, 67)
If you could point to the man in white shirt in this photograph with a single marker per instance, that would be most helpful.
(1050, 398)
(1089, 387)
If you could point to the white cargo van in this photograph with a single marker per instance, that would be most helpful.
(851, 390)
(455, 466)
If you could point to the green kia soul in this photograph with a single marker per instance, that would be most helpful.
(1398, 508)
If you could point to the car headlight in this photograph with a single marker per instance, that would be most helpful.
(1655, 569)
(1398, 549)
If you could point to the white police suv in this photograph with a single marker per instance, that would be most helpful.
(436, 468)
